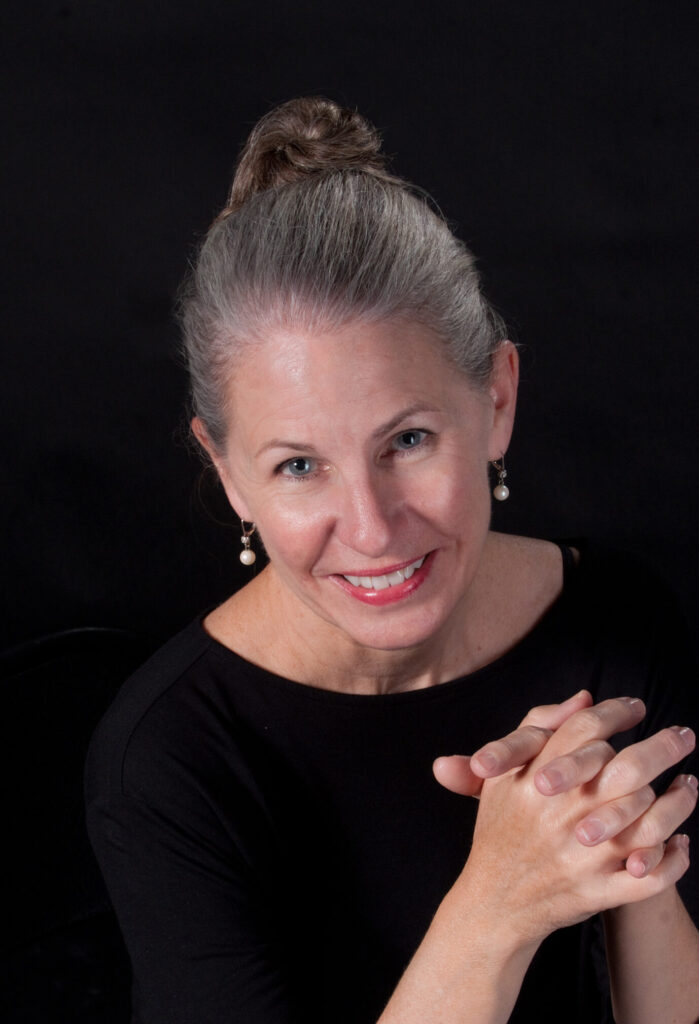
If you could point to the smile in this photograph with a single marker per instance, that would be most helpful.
(391, 579)
(388, 588)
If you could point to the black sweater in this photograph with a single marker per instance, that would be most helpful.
(275, 852)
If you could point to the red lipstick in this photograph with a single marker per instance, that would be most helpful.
(389, 595)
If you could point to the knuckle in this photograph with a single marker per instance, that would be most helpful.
(502, 748)
(567, 764)
(616, 817)
(646, 833)
(585, 722)
(622, 770)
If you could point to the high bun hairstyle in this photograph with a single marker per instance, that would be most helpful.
(316, 233)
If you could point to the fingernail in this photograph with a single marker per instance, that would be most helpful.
(685, 734)
(631, 701)
(683, 841)
(691, 781)
(486, 760)
(551, 779)
(592, 830)
(645, 864)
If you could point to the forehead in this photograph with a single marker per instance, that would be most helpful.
(360, 372)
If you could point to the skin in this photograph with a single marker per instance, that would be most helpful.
(652, 944)
(362, 449)
(342, 400)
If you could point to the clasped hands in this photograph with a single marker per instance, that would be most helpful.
(566, 826)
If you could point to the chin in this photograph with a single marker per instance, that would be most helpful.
(393, 630)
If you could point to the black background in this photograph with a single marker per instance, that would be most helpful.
(561, 138)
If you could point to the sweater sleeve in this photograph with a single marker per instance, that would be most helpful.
(188, 856)
(648, 654)
(200, 950)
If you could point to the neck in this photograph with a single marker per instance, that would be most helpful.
(517, 581)
(296, 643)
(351, 668)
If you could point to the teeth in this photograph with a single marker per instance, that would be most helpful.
(391, 579)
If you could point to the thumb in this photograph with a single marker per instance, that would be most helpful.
(454, 773)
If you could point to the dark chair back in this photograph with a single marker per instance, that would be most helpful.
(62, 955)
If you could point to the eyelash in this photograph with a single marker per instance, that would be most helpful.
(426, 438)
(297, 458)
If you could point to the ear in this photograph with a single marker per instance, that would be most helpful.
(502, 389)
(218, 459)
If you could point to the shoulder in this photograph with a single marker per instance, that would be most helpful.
(621, 587)
(170, 701)
(633, 628)
(614, 616)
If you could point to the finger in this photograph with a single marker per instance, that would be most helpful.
(674, 863)
(464, 775)
(574, 769)
(454, 773)
(598, 722)
(610, 819)
(639, 764)
(552, 716)
(664, 816)
(525, 743)
(641, 862)
(512, 751)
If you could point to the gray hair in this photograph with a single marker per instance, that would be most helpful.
(316, 253)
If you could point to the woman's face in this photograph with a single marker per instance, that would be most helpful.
(362, 456)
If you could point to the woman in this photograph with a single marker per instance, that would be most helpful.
(260, 796)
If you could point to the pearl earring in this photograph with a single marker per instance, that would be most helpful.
(247, 555)
(501, 492)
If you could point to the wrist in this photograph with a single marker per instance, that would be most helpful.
(503, 934)
(481, 927)
(469, 968)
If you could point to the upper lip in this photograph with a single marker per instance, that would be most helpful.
(380, 572)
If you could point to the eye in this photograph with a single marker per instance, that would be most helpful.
(408, 440)
(299, 467)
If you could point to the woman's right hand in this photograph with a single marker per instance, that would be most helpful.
(534, 865)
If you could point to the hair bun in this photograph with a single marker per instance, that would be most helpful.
(301, 137)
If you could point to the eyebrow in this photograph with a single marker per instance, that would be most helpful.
(385, 428)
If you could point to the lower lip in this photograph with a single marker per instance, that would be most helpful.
(389, 595)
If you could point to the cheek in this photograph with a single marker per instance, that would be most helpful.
(293, 531)
(456, 492)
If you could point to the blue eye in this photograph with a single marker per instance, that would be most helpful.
(409, 439)
(299, 467)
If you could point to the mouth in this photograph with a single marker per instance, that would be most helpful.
(394, 578)
(388, 587)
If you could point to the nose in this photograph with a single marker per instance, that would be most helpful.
(367, 514)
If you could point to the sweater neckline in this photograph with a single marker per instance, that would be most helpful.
(229, 658)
